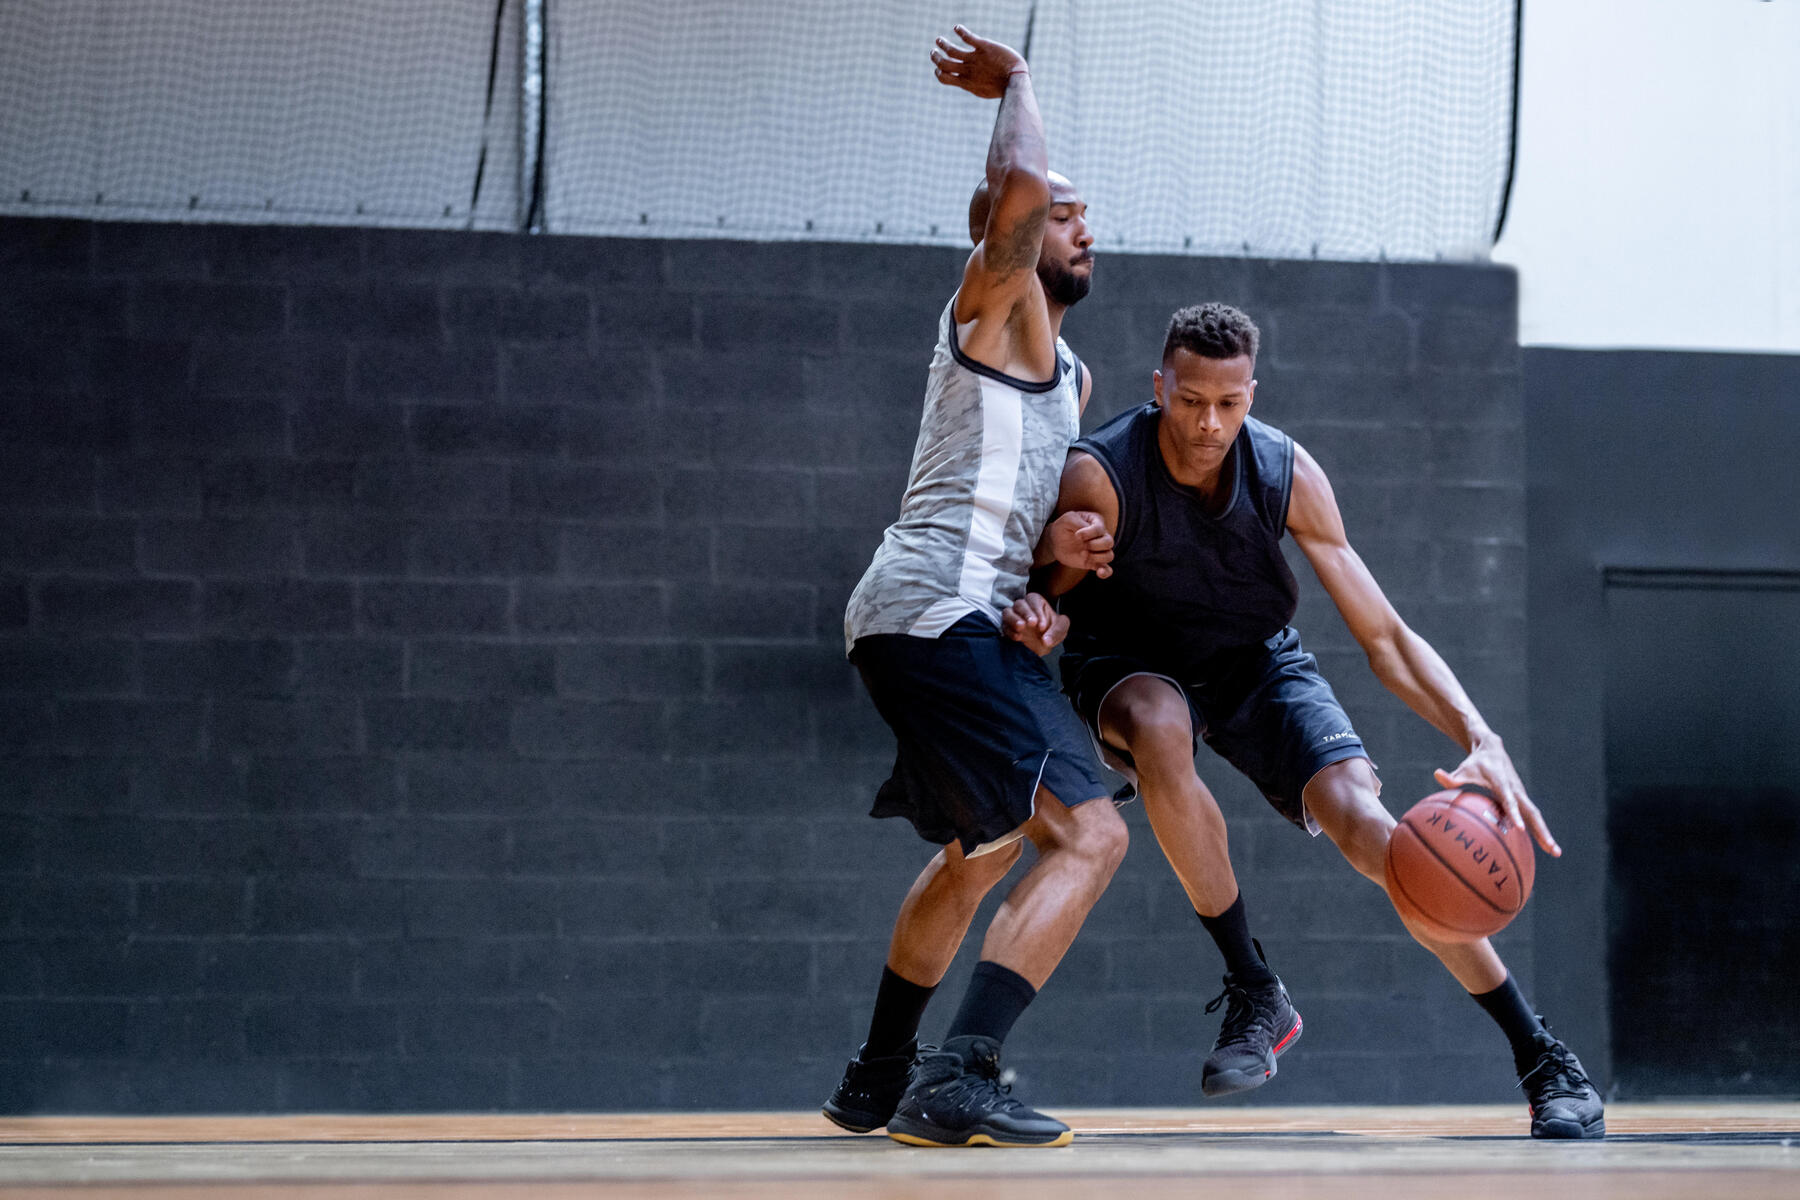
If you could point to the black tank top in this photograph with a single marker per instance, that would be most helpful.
(1187, 583)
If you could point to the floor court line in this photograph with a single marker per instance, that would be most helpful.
(1735, 1150)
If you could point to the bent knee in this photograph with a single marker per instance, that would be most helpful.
(1103, 836)
(1157, 727)
(1363, 837)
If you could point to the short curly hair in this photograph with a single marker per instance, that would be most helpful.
(1212, 331)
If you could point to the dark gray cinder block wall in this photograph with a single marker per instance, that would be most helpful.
(421, 679)
(1678, 466)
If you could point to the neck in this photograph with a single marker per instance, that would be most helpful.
(1055, 312)
(1201, 478)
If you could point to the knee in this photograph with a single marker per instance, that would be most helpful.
(1159, 733)
(1101, 835)
(1343, 799)
(1363, 838)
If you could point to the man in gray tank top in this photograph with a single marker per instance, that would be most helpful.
(948, 644)
(1188, 639)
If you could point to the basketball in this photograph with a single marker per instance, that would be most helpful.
(1451, 870)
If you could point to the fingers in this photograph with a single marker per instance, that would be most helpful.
(1027, 616)
(1092, 530)
(1098, 548)
(1038, 611)
(1534, 821)
(1080, 541)
(980, 43)
(1516, 807)
(951, 51)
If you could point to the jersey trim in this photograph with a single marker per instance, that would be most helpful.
(1012, 381)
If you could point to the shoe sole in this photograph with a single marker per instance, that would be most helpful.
(1568, 1131)
(854, 1122)
(1229, 1083)
(917, 1133)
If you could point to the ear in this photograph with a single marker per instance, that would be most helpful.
(1156, 382)
(1250, 396)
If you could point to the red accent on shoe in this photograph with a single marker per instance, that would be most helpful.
(1292, 1034)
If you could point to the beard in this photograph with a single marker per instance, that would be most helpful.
(1062, 284)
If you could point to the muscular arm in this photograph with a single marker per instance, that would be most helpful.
(1404, 662)
(1001, 305)
(1004, 264)
(1086, 494)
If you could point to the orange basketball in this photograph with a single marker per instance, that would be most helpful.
(1452, 872)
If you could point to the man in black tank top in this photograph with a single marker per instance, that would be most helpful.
(1188, 638)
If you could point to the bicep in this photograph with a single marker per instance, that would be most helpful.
(1086, 487)
(1318, 529)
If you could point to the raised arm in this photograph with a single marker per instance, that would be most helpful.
(1002, 270)
(1404, 662)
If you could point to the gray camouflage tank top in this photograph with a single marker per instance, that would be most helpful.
(985, 475)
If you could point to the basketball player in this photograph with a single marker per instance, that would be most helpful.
(988, 751)
(1189, 639)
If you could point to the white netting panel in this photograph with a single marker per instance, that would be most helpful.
(331, 110)
(1342, 128)
(1338, 128)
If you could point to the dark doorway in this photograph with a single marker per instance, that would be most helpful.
(1703, 820)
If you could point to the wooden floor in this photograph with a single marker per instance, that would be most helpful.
(1715, 1151)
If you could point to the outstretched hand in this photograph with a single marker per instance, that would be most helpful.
(985, 69)
(1079, 540)
(1490, 767)
(1031, 620)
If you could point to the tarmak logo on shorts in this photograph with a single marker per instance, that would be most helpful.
(1336, 737)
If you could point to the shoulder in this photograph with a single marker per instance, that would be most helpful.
(1088, 484)
(1115, 435)
(1264, 434)
(1082, 467)
(1312, 506)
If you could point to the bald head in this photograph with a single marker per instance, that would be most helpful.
(1060, 190)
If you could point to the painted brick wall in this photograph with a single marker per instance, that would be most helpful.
(421, 680)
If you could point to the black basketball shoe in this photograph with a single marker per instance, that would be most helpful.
(1260, 1024)
(956, 1099)
(870, 1089)
(1563, 1101)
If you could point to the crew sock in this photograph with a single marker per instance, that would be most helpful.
(1231, 931)
(995, 999)
(1507, 1005)
(899, 1004)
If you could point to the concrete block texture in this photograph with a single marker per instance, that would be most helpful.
(422, 681)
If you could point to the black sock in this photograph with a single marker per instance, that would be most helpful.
(1507, 1005)
(899, 1003)
(995, 999)
(1231, 930)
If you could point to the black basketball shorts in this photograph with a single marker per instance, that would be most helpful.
(980, 725)
(1265, 709)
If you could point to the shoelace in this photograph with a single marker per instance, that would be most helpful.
(981, 1076)
(1240, 1018)
(1565, 1077)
